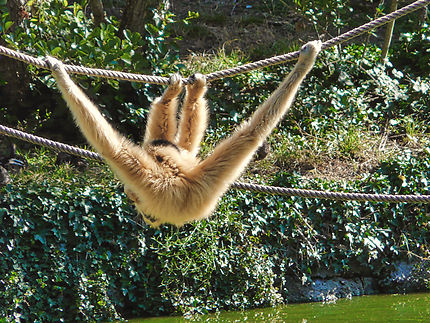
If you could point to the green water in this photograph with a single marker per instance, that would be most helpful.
(378, 308)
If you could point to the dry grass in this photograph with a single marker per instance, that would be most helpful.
(327, 159)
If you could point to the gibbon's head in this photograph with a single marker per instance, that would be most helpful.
(309, 52)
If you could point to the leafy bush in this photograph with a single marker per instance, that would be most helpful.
(325, 14)
(413, 51)
(74, 252)
(63, 30)
(73, 249)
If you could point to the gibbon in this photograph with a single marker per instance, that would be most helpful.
(163, 176)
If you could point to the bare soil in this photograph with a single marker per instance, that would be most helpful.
(247, 25)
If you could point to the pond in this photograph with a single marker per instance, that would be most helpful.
(375, 308)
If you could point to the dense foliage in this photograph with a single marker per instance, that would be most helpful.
(73, 249)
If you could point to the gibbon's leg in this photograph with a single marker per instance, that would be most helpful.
(231, 156)
(125, 158)
(162, 115)
(194, 115)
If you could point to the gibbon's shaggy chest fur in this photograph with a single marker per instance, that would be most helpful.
(163, 176)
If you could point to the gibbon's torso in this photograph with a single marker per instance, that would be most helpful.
(166, 188)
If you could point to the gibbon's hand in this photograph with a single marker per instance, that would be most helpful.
(309, 52)
(54, 64)
(313, 47)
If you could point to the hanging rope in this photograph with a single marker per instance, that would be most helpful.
(338, 196)
(227, 72)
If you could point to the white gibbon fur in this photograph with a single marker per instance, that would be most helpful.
(163, 176)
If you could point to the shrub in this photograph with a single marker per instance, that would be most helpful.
(73, 249)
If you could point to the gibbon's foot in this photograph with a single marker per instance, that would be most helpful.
(175, 81)
(198, 80)
(174, 88)
(198, 84)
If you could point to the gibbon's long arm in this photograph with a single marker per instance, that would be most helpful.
(120, 153)
(232, 155)
(96, 129)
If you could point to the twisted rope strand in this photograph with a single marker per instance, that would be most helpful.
(58, 146)
(339, 196)
(223, 73)
(327, 195)
(74, 69)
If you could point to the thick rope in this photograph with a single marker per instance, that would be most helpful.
(227, 72)
(339, 196)
(49, 143)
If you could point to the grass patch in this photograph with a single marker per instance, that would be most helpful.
(205, 63)
(251, 20)
(197, 31)
(347, 155)
(42, 166)
(277, 47)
